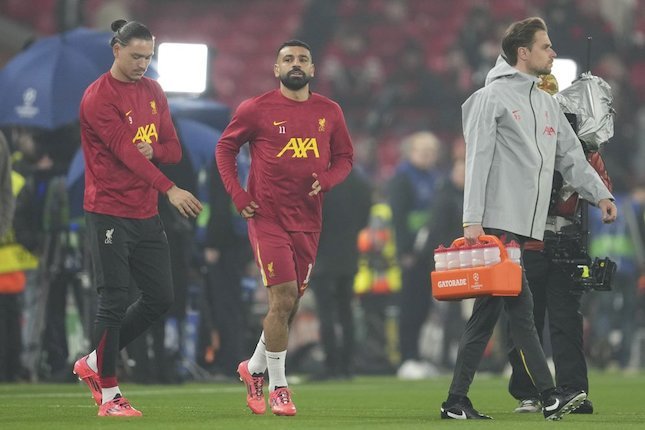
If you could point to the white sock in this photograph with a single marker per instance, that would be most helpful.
(110, 393)
(275, 364)
(258, 362)
(92, 362)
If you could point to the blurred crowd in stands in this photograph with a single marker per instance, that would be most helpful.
(400, 70)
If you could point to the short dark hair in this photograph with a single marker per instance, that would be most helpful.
(293, 42)
(125, 31)
(520, 34)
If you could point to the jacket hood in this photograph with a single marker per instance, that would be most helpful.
(501, 69)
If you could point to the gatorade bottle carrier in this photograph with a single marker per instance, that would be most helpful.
(500, 279)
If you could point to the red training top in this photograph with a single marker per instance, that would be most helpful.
(289, 141)
(115, 116)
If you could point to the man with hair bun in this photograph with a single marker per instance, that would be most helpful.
(126, 132)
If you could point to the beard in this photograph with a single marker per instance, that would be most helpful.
(544, 70)
(295, 82)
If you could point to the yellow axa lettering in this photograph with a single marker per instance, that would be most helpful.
(300, 147)
(144, 134)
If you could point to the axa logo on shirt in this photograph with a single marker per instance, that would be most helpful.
(549, 131)
(145, 133)
(301, 147)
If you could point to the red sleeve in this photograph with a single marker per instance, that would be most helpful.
(596, 161)
(236, 134)
(106, 123)
(342, 154)
(167, 150)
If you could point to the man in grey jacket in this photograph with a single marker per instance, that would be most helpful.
(516, 135)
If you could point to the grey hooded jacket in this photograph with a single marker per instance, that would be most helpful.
(516, 135)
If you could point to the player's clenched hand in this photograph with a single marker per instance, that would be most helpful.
(145, 149)
(249, 211)
(315, 187)
(184, 201)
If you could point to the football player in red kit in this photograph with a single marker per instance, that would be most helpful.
(126, 131)
(300, 148)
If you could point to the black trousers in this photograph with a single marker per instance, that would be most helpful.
(122, 248)
(10, 337)
(550, 287)
(334, 295)
(224, 310)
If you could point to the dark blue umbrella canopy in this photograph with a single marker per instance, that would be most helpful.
(43, 85)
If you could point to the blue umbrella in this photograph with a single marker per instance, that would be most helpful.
(43, 85)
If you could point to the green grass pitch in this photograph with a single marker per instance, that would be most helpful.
(363, 403)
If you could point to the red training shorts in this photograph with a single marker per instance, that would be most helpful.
(282, 256)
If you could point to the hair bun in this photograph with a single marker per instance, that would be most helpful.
(117, 24)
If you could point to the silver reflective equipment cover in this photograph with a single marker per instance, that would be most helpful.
(589, 98)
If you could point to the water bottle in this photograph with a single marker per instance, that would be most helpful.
(440, 258)
(491, 254)
(514, 251)
(452, 258)
(478, 254)
(465, 257)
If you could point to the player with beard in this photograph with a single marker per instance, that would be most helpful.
(300, 148)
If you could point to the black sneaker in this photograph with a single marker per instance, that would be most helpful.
(461, 410)
(558, 403)
(585, 407)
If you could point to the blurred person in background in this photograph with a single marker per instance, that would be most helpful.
(42, 226)
(7, 198)
(227, 255)
(126, 131)
(345, 214)
(443, 227)
(300, 148)
(13, 261)
(411, 191)
(516, 135)
(156, 358)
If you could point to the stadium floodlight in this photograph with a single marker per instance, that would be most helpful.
(182, 67)
(565, 71)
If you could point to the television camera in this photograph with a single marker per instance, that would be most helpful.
(567, 248)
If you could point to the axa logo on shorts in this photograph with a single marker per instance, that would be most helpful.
(461, 282)
(108, 236)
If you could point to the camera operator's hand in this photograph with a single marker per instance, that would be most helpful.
(609, 210)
